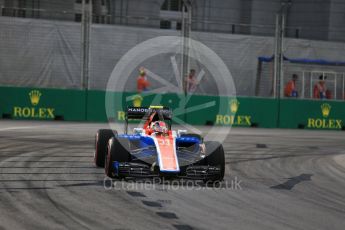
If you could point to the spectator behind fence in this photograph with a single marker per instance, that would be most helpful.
(320, 88)
(290, 88)
(142, 82)
(192, 82)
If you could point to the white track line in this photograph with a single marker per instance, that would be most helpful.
(29, 127)
(16, 128)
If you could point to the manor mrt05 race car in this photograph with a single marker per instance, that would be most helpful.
(157, 150)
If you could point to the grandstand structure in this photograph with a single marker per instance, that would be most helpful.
(307, 19)
(76, 43)
(308, 72)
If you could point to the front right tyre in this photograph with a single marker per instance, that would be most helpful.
(215, 157)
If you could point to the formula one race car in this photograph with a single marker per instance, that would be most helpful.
(156, 150)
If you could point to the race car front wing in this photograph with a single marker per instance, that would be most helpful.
(140, 170)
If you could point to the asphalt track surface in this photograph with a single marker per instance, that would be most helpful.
(281, 179)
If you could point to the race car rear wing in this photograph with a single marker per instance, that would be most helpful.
(140, 113)
(143, 113)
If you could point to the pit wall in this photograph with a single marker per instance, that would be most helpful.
(82, 105)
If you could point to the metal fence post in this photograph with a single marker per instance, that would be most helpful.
(186, 30)
(281, 75)
(85, 51)
(303, 84)
(343, 86)
(276, 59)
(335, 86)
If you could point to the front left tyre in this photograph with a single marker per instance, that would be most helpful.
(118, 152)
(101, 143)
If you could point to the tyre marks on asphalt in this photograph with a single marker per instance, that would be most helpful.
(261, 146)
(291, 182)
(86, 184)
(54, 178)
(159, 207)
(135, 194)
(183, 227)
(167, 215)
(23, 173)
(152, 204)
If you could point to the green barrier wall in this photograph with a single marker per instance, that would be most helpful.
(242, 111)
(78, 105)
(43, 104)
(95, 106)
(199, 110)
(312, 114)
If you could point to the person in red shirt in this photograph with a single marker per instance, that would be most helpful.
(290, 88)
(142, 82)
(320, 88)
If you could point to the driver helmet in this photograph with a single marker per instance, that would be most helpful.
(159, 127)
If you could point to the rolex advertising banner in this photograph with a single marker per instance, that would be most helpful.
(42, 104)
(312, 114)
(98, 109)
(240, 111)
(78, 105)
(195, 109)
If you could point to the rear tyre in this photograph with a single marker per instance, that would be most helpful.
(118, 150)
(215, 157)
(101, 143)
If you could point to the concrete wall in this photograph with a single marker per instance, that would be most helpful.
(61, 10)
(264, 13)
(309, 19)
(46, 53)
(337, 20)
(135, 12)
(143, 12)
(213, 14)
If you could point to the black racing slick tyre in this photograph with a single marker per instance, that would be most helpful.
(101, 144)
(215, 157)
(118, 150)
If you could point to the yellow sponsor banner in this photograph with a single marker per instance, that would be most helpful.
(33, 111)
(121, 115)
(325, 122)
(30, 112)
(137, 100)
(233, 118)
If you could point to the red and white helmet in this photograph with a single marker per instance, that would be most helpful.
(159, 127)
